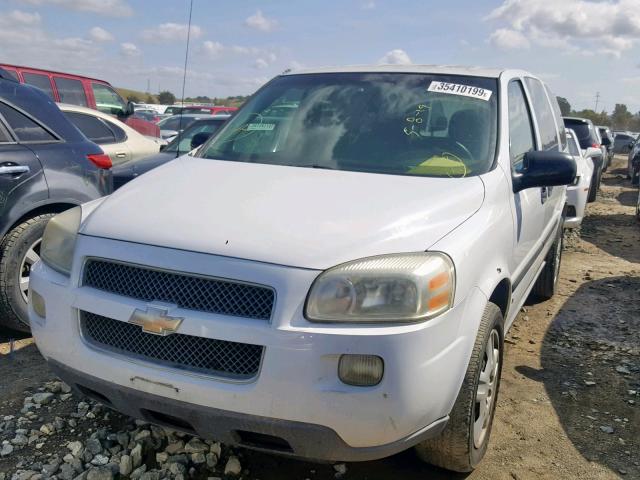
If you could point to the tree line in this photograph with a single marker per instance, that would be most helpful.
(168, 98)
(620, 119)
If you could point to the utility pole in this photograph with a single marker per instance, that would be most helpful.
(597, 100)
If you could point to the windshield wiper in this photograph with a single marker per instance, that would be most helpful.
(315, 165)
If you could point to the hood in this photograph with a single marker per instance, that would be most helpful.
(294, 216)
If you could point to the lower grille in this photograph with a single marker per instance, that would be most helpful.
(239, 361)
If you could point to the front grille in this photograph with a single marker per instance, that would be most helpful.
(204, 294)
(240, 361)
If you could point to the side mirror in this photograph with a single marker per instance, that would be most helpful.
(130, 109)
(592, 152)
(545, 169)
(606, 141)
(198, 139)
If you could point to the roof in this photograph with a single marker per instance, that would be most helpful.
(67, 107)
(438, 69)
(578, 119)
(44, 70)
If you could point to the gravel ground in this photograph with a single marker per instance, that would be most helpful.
(568, 406)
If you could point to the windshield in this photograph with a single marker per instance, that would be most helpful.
(573, 146)
(175, 122)
(393, 123)
(183, 141)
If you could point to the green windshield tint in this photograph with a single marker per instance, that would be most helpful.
(394, 123)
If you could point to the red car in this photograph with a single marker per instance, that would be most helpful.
(216, 110)
(84, 91)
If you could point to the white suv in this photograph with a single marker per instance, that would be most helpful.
(330, 276)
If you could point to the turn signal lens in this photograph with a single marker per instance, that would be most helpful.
(100, 160)
(37, 302)
(360, 370)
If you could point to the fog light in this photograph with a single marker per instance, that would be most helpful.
(38, 303)
(360, 370)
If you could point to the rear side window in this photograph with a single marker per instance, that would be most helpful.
(558, 117)
(573, 146)
(40, 81)
(25, 129)
(71, 91)
(93, 128)
(119, 133)
(13, 73)
(520, 128)
(544, 115)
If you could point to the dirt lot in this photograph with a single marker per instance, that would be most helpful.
(569, 403)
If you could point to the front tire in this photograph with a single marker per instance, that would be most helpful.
(19, 250)
(465, 439)
(547, 283)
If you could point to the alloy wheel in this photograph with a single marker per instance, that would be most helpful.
(31, 257)
(487, 388)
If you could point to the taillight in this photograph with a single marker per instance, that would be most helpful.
(100, 160)
(595, 145)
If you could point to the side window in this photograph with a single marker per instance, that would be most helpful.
(520, 128)
(558, 114)
(71, 91)
(107, 99)
(119, 132)
(93, 128)
(4, 135)
(40, 81)
(544, 115)
(13, 73)
(25, 129)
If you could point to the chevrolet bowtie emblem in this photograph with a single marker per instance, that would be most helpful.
(155, 320)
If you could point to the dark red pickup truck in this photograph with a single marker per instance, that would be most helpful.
(85, 91)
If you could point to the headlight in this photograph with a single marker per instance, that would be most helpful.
(59, 240)
(399, 287)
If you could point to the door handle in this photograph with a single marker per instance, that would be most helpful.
(121, 154)
(13, 169)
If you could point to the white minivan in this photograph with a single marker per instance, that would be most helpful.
(330, 276)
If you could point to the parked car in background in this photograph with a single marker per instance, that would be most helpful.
(83, 91)
(606, 133)
(148, 115)
(121, 142)
(173, 109)
(589, 141)
(216, 110)
(46, 166)
(275, 299)
(171, 126)
(633, 157)
(622, 142)
(578, 191)
(192, 137)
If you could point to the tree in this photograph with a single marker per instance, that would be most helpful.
(621, 117)
(166, 98)
(133, 98)
(150, 99)
(597, 118)
(565, 106)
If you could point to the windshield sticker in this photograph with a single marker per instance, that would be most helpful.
(458, 89)
(260, 126)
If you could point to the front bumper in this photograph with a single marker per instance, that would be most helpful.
(297, 388)
(272, 435)
(577, 196)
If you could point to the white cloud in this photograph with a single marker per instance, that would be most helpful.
(261, 63)
(99, 34)
(169, 32)
(109, 8)
(212, 48)
(129, 49)
(20, 18)
(573, 26)
(369, 5)
(396, 57)
(260, 22)
(507, 39)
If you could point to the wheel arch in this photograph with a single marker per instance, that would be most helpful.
(55, 207)
(501, 296)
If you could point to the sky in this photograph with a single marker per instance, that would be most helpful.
(579, 47)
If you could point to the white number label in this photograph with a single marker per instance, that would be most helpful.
(260, 126)
(457, 89)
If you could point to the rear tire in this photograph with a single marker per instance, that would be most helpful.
(547, 283)
(464, 441)
(15, 266)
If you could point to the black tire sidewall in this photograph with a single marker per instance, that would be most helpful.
(477, 454)
(12, 255)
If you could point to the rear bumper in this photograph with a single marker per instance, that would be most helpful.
(285, 437)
